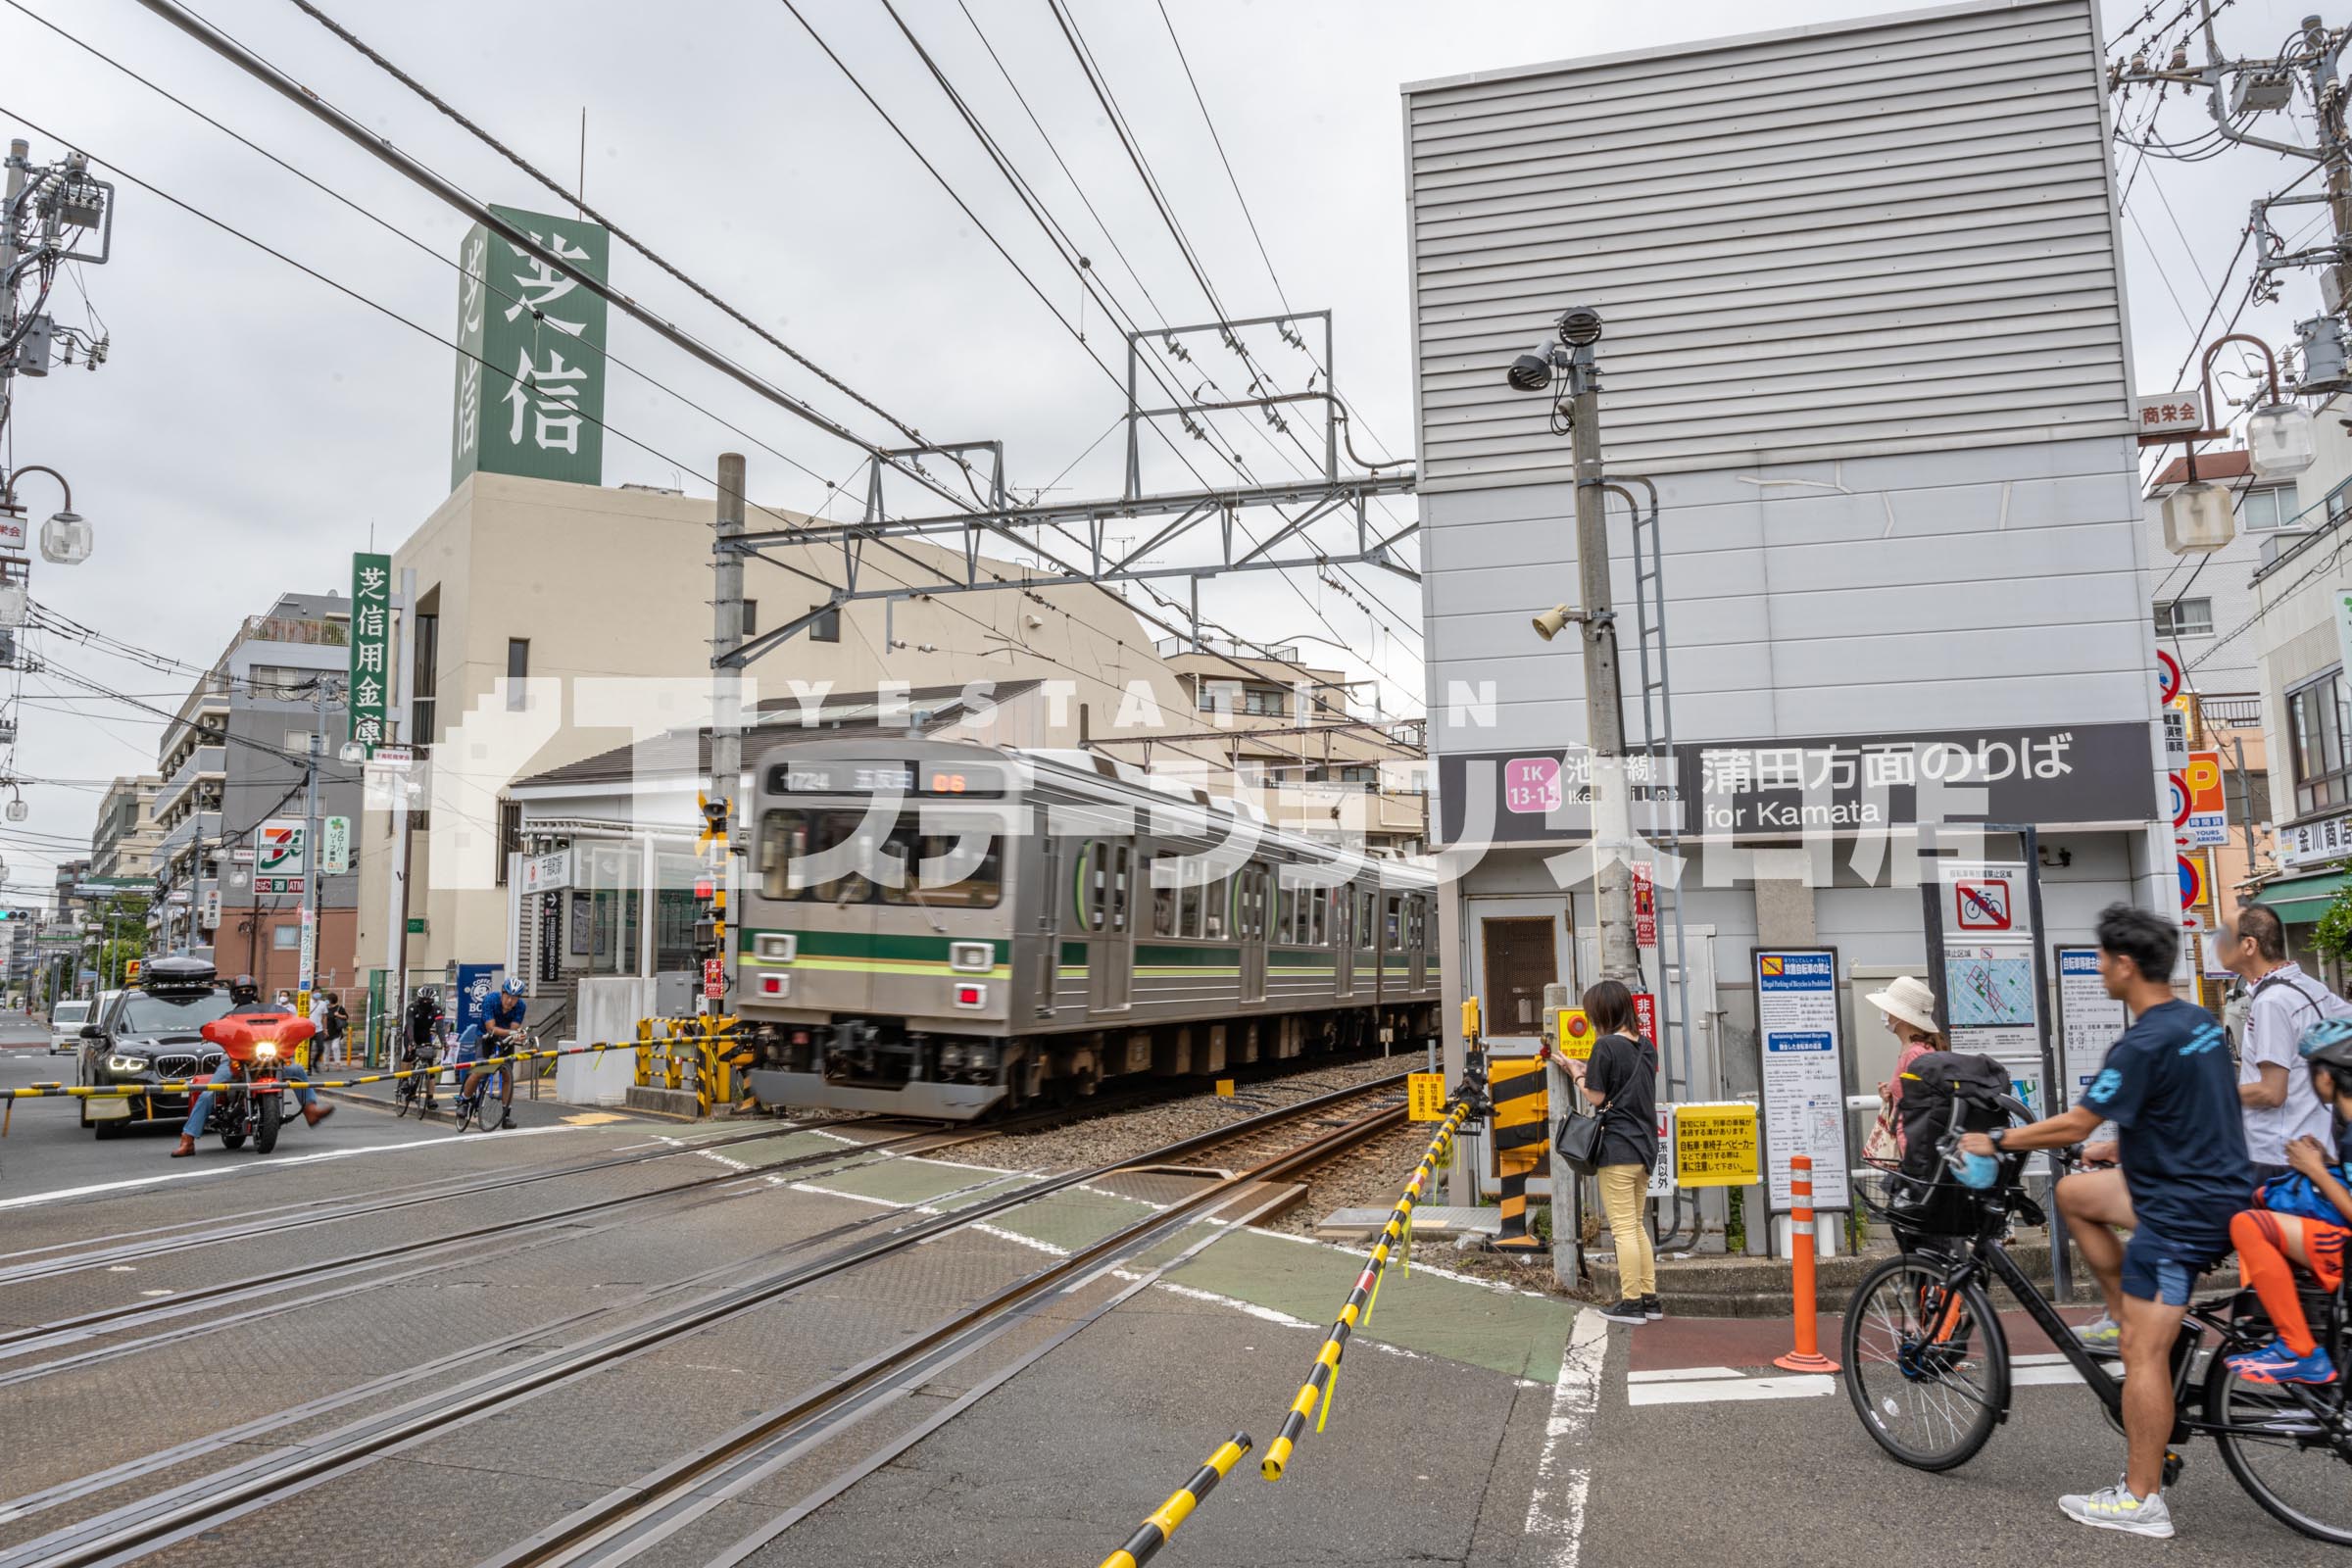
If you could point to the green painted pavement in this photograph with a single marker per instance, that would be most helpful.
(1506, 1331)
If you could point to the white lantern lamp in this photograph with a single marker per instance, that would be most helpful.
(2198, 518)
(2280, 441)
(67, 539)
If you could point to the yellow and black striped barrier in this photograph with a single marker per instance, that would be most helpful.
(1395, 1237)
(707, 1043)
(181, 1086)
(1158, 1526)
(1521, 1111)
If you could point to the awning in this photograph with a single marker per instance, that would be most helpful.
(2302, 899)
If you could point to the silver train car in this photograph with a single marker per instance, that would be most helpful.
(941, 929)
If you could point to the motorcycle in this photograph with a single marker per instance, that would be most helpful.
(254, 1104)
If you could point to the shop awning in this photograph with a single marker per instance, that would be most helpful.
(2302, 899)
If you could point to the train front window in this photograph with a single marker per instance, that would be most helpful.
(847, 857)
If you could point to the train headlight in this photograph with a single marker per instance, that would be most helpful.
(971, 957)
(777, 947)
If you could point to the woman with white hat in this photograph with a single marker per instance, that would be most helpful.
(1910, 1009)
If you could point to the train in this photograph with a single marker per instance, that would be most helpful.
(950, 930)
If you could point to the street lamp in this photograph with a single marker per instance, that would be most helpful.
(66, 538)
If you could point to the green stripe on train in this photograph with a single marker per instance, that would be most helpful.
(886, 947)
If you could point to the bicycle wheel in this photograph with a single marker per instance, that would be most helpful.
(2289, 1447)
(1926, 1367)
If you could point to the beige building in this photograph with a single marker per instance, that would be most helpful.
(123, 842)
(554, 623)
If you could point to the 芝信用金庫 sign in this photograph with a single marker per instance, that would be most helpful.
(369, 694)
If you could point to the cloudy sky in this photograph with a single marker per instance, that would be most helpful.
(255, 425)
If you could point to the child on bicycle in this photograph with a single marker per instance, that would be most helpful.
(2302, 1218)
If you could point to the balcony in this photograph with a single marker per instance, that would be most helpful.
(181, 838)
(203, 762)
(316, 631)
(208, 709)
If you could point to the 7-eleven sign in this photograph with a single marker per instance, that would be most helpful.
(279, 846)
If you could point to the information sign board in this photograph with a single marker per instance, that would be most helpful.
(1802, 1069)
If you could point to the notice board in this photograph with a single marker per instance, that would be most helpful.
(1798, 1040)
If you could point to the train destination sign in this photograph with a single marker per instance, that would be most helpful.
(827, 775)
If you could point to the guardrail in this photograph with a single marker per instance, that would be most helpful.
(1161, 1522)
(1396, 1238)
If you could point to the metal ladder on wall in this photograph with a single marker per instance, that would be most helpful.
(1654, 697)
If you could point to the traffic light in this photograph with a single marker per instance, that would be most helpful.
(710, 918)
(715, 820)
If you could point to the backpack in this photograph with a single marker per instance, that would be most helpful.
(1929, 1087)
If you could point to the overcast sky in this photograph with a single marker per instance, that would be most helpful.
(253, 426)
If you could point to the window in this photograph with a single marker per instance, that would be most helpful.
(298, 741)
(281, 681)
(1286, 915)
(2318, 724)
(285, 936)
(1167, 871)
(509, 837)
(1215, 898)
(2271, 506)
(905, 865)
(826, 627)
(423, 683)
(1188, 915)
(518, 669)
(751, 616)
(2184, 617)
(1266, 701)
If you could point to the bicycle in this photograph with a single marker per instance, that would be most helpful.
(491, 1092)
(1925, 1352)
(419, 1060)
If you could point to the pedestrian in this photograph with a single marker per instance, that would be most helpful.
(1621, 1080)
(1908, 1006)
(2274, 1088)
(337, 1024)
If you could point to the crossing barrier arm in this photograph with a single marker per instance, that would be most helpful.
(1391, 1239)
(1159, 1525)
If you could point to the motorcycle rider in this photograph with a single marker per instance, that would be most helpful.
(245, 1002)
(499, 1032)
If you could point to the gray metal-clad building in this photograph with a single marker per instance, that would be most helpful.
(1865, 328)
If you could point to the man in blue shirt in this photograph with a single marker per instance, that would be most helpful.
(2170, 1087)
(499, 1033)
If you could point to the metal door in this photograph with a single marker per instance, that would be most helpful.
(1110, 937)
(1343, 938)
(1252, 933)
(1517, 948)
(1048, 923)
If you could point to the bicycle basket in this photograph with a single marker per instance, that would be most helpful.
(1941, 1207)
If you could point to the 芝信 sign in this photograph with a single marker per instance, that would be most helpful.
(530, 390)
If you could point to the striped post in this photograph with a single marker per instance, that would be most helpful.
(1806, 1356)
(1158, 1526)
(1520, 1122)
(1316, 1390)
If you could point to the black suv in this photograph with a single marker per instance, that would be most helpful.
(151, 1035)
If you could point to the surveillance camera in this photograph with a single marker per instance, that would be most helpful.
(1529, 373)
(1579, 325)
(1552, 621)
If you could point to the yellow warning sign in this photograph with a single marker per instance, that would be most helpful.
(1225, 1088)
(1716, 1146)
(1425, 1096)
(1574, 1032)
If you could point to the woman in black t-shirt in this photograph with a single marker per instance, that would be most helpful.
(1621, 1080)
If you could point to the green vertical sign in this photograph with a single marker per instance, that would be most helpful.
(369, 692)
(530, 393)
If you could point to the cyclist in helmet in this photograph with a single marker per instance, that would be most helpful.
(2304, 1217)
(499, 1033)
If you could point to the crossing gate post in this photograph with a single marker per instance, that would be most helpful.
(1518, 1126)
(645, 1052)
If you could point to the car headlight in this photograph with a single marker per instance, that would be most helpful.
(127, 1064)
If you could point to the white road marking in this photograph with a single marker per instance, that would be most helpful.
(1718, 1391)
(2026, 1377)
(229, 1167)
(1503, 1287)
(1678, 1374)
(1555, 1509)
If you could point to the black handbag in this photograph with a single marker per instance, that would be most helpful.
(1579, 1142)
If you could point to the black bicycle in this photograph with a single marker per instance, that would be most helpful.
(1926, 1362)
(416, 1087)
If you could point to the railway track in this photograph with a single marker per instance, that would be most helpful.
(207, 1501)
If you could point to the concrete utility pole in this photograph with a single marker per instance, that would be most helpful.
(312, 860)
(727, 683)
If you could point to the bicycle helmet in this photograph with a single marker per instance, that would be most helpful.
(2329, 1044)
(514, 986)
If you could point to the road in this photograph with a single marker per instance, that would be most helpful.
(1472, 1423)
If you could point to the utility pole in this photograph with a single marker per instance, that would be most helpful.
(312, 860)
(400, 649)
(726, 697)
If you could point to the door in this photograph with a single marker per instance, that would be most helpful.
(1110, 937)
(1518, 946)
(1343, 938)
(1252, 915)
(1417, 919)
(1048, 923)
